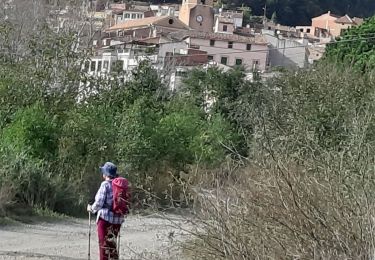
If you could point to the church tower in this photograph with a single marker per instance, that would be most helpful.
(198, 14)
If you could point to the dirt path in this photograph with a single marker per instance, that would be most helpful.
(151, 237)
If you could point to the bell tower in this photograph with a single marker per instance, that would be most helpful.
(198, 14)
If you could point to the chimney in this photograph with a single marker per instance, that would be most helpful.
(170, 11)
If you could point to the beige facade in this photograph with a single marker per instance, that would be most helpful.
(332, 24)
(325, 21)
(230, 53)
(224, 25)
(197, 14)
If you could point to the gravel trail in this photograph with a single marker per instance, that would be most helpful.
(151, 237)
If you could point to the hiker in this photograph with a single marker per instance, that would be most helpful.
(108, 222)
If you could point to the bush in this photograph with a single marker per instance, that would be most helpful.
(308, 190)
(32, 130)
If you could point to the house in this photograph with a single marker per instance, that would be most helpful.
(345, 22)
(325, 21)
(227, 21)
(278, 29)
(287, 52)
(228, 49)
(329, 25)
(126, 12)
(122, 57)
(236, 15)
(224, 25)
(166, 9)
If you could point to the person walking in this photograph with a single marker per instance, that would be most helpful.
(108, 222)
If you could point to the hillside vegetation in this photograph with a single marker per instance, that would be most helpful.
(286, 167)
(300, 12)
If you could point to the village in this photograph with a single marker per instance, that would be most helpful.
(176, 38)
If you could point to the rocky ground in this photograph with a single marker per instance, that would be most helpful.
(142, 237)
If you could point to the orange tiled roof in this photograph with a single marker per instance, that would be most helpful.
(358, 21)
(137, 23)
(345, 19)
(257, 39)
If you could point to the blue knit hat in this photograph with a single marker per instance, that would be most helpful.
(109, 169)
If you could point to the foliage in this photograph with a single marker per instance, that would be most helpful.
(59, 125)
(356, 47)
(300, 12)
(34, 131)
(308, 189)
(220, 93)
(274, 17)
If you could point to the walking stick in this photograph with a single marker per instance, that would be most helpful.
(118, 243)
(88, 255)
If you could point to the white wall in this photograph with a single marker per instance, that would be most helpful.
(286, 52)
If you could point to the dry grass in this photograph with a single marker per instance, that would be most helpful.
(283, 213)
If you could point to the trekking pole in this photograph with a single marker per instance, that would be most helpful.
(88, 255)
(118, 243)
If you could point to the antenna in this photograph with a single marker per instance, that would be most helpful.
(265, 13)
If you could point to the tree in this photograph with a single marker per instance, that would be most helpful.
(300, 12)
(32, 130)
(355, 48)
(246, 14)
(274, 17)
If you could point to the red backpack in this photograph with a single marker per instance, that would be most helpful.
(121, 196)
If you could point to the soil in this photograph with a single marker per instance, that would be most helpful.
(142, 237)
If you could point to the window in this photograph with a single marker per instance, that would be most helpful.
(301, 30)
(87, 66)
(117, 66)
(210, 57)
(225, 28)
(255, 64)
(120, 33)
(105, 64)
(212, 42)
(139, 16)
(224, 60)
(230, 45)
(308, 30)
(181, 73)
(238, 61)
(134, 16)
(107, 42)
(248, 47)
(93, 65)
(127, 16)
(99, 65)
